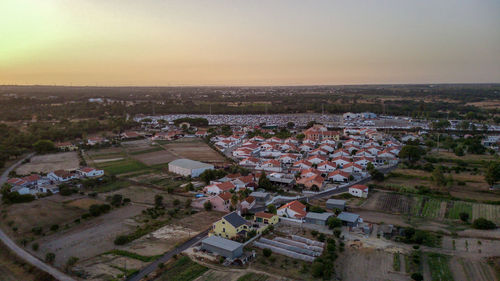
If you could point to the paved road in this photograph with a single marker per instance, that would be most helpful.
(154, 265)
(20, 251)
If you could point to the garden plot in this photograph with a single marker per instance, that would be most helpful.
(367, 265)
(490, 212)
(389, 202)
(458, 207)
(439, 267)
(108, 267)
(50, 162)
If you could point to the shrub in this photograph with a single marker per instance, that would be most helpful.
(35, 247)
(482, 223)
(464, 216)
(267, 252)
(50, 257)
(37, 230)
(417, 276)
(208, 206)
(54, 227)
(121, 240)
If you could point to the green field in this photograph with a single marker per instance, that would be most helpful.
(431, 208)
(122, 166)
(438, 264)
(490, 212)
(396, 265)
(184, 269)
(417, 204)
(457, 208)
(154, 149)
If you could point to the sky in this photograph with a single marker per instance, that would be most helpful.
(252, 42)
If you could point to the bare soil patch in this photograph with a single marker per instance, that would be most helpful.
(91, 237)
(155, 157)
(50, 162)
(195, 150)
(84, 203)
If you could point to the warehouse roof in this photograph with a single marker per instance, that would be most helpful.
(319, 216)
(335, 202)
(190, 164)
(348, 217)
(222, 243)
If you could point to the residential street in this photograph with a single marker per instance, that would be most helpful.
(20, 251)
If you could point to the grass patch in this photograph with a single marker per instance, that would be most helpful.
(253, 277)
(396, 263)
(122, 166)
(183, 269)
(133, 255)
(438, 264)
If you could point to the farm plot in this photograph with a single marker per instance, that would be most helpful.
(469, 269)
(490, 212)
(367, 264)
(50, 162)
(136, 145)
(431, 208)
(457, 208)
(195, 150)
(121, 166)
(154, 157)
(439, 267)
(389, 202)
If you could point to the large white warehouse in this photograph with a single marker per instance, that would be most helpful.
(187, 167)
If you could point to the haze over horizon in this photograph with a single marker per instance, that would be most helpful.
(248, 43)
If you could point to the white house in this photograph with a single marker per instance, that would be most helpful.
(294, 210)
(90, 172)
(249, 161)
(338, 176)
(352, 168)
(341, 161)
(316, 159)
(359, 190)
(327, 166)
(61, 176)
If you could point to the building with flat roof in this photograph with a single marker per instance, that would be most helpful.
(335, 204)
(318, 218)
(187, 167)
(223, 247)
(349, 219)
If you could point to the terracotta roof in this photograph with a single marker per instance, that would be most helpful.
(360, 187)
(225, 186)
(250, 199)
(264, 215)
(225, 196)
(297, 207)
(339, 172)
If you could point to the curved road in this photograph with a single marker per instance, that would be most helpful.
(20, 251)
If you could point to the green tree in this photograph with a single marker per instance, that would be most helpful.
(50, 257)
(411, 152)
(334, 222)
(207, 205)
(464, 216)
(158, 201)
(492, 174)
(116, 200)
(438, 176)
(267, 252)
(44, 146)
(482, 223)
(271, 209)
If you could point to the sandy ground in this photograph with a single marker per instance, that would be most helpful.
(50, 162)
(104, 267)
(84, 203)
(43, 212)
(196, 150)
(91, 237)
(108, 160)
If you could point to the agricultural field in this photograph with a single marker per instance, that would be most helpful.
(367, 264)
(389, 202)
(194, 149)
(490, 212)
(154, 157)
(182, 269)
(121, 166)
(439, 267)
(458, 207)
(50, 162)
